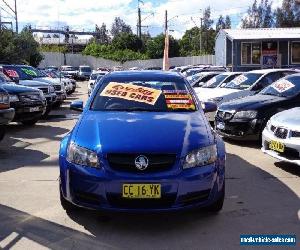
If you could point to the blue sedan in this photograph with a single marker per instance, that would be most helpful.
(142, 144)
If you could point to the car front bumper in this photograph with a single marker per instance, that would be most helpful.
(291, 145)
(239, 129)
(25, 112)
(6, 115)
(102, 190)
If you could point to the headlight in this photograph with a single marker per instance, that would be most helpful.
(4, 98)
(216, 99)
(51, 89)
(201, 157)
(82, 156)
(42, 94)
(13, 98)
(250, 114)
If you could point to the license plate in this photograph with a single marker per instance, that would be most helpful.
(277, 146)
(141, 191)
(34, 109)
(221, 125)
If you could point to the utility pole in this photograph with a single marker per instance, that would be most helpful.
(166, 22)
(201, 24)
(16, 16)
(139, 23)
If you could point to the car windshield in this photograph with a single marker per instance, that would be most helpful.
(149, 96)
(192, 72)
(70, 68)
(215, 81)
(14, 72)
(285, 87)
(32, 72)
(85, 69)
(243, 81)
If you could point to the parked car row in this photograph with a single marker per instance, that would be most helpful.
(28, 94)
(250, 106)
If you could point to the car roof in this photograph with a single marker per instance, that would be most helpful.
(158, 74)
(266, 71)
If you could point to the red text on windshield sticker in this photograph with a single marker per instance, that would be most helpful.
(11, 73)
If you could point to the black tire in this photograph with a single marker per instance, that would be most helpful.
(2, 132)
(67, 206)
(56, 105)
(48, 110)
(30, 122)
(217, 205)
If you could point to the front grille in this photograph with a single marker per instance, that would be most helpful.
(295, 134)
(45, 90)
(281, 133)
(30, 97)
(126, 162)
(273, 128)
(165, 201)
(57, 87)
(224, 115)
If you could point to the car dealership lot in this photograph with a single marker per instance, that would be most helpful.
(262, 197)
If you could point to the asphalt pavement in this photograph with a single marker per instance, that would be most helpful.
(262, 197)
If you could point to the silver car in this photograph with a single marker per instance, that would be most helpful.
(281, 137)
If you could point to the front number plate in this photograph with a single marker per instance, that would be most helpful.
(34, 109)
(141, 191)
(277, 146)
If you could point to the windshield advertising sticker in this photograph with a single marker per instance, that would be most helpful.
(131, 92)
(29, 72)
(11, 73)
(179, 99)
(240, 79)
(282, 85)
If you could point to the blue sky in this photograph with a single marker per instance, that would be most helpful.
(79, 14)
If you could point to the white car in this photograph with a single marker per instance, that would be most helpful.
(199, 79)
(95, 76)
(281, 137)
(246, 84)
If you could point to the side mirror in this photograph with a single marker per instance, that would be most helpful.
(77, 105)
(209, 107)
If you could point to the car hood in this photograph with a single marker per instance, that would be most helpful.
(31, 83)
(288, 118)
(253, 102)
(205, 94)
(48, 80)
(141, 132)
(17, 89)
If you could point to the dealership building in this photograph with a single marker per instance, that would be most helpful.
(249, 49)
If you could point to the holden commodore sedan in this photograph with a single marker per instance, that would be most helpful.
(142, 144)
(281, 137)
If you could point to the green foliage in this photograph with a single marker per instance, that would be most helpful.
(19, 48)
(288, 15)
(155, 47)
(54, 48)
(129, 41)
(109, 52)
(119, 26)
(259, 15)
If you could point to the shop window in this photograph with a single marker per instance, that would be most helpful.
(295, 52)
(251, 53)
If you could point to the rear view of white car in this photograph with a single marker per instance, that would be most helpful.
(96, 75)
(281, 137)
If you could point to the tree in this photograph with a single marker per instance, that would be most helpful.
(190, 42)
(208, 38)
(155, 47)
(127, 41)
(119, 26)
(288, 15)
(220, 24)
(259, 15)
(19, 48)
(102, 35)
(227, 22)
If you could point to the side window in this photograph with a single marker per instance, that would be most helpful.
(230, 78)
(287, 73)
